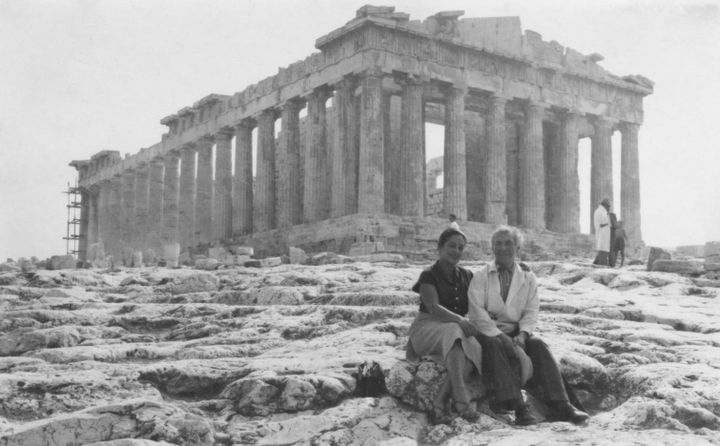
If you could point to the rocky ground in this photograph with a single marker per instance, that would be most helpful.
(268, 356)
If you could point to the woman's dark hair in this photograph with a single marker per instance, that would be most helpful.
(449, 232)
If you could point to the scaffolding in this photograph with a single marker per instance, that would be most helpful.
(74, 220)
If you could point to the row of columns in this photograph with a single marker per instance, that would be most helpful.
(176, 199)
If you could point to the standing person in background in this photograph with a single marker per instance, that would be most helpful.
(453, 222)
(613, 227)
(619, 243)
(601, 221)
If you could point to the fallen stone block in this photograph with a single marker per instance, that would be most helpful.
(207, 264)
(217, 253)
(270, 261)
(62, 262)
(691, 267)
(242, 250)
(297, 256)
(657, 254)
(171, 254)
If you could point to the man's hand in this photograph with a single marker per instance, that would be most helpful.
(467, 328)
(520, 339)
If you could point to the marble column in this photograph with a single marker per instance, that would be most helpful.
(343, 199)
(371, 159)
(316, 195)
(155, 205)
(242, 194)
(186, 205)
(104, 218)
(128, 208)
(83, 236)
(222, 203)
(412, 148)
(93, 214)
(142, 188)
(264, 195)
(170, 199)
(495, 176)
(531, 194)
(454, 175)
(601, 165)
(113, 241)
(204, 192)
(287, 163)
(630, 183)
(567, 217)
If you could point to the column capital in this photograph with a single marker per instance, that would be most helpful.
(225, 134)
(373, 71)
(348, 82)
(456, 88)
(320, 93)
(626, 126)
(247, 124)
(410, 79)
(496, 98)
(268, 113)
(603, 121)
(172, 154)
(204, 142)
(292, 103)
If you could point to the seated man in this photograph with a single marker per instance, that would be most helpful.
(504, 305)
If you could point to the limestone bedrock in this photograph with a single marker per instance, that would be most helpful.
(267, 355)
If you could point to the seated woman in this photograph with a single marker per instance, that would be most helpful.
(441, 330)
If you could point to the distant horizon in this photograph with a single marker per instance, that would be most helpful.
(86, 77)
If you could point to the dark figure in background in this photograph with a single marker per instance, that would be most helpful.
(504, 308)
(441, 330)
(613, 227)
(619, 243)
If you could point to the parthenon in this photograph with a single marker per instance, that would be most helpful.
(316, 153)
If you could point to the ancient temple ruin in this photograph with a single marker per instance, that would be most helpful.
(349, 171)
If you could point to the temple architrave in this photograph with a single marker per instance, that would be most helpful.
(330, 152)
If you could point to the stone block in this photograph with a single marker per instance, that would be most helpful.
(270, 261)
(208, 264)
(137, 259)
(96, 252)
(712, 266)
(171, 254)
(127, 256)
(150, 257)
(712, 249)
(217, 253)
(297, 255)
(692, 267)
(254, 263)
(656, 254)
(62, 262)
(242, 250)
(690, 250)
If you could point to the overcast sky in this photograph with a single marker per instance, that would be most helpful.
(80, 76)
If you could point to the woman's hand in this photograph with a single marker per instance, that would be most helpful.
(467, 328)
(520, 339)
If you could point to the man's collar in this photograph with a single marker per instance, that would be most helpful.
(494, 267)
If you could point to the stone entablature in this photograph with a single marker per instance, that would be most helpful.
(535, 70)
(513, 108)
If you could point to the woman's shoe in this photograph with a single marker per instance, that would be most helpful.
(468, 411)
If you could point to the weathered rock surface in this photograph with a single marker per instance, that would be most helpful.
(267, 356)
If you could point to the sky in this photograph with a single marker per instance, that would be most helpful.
(80, 76)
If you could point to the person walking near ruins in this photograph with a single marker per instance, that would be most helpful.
(601, 221)
(619, 240)
(441, 329)
(503, 307)
(613, 227)
(453, 222)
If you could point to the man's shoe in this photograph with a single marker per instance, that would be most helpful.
(468, 411)
(564, 411)
(523, 416)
